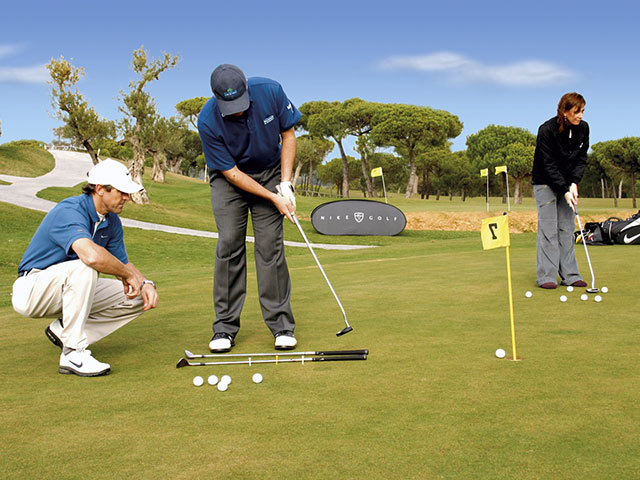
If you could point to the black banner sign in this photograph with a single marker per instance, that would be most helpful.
(358, 217)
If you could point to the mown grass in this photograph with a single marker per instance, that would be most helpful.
(432, 401)
(25, 161)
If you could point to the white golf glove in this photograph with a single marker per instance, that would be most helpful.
(285, 190)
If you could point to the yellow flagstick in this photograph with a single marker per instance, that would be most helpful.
(494, 233)
(513, 324)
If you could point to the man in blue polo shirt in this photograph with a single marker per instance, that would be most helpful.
(248, 138)
(58, 275)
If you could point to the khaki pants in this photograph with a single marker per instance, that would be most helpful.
(90, 307)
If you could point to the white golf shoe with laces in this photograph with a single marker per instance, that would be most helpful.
(81, 363)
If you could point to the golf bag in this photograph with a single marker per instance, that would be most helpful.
(612, 230)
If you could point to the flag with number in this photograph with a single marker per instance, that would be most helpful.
(484, 172)
(376, 172)
(495, 232)
(501, 169)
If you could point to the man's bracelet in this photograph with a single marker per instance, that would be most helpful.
(147, 282)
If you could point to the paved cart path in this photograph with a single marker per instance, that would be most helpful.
(71, 169)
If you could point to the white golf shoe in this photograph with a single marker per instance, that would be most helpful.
(285, 340)
(80, 362)
(221, 342)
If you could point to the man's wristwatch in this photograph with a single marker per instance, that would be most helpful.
(147, 282)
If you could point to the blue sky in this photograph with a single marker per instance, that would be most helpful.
(491, 62)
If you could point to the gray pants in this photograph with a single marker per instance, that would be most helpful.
(231, 207)
(555, 244)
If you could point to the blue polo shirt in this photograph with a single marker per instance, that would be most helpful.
(252, 141)
(70, 220)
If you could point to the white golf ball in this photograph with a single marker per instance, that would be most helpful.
(604, 289)
(198, 381)
(597, 298)
(226, 379)
(257, 378)
(563, 298)
(584, 296)
(212, 379)
(500, 353)
(528, 294)
(569, 288)
(222, 386)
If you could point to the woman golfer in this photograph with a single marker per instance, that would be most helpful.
(558, 165)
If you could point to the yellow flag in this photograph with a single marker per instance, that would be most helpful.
(376, 172)
(484, 172)
(501, 169)
(495, 232)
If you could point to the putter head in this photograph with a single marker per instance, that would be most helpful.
(593, 290)
(344, 330)
(182, 363)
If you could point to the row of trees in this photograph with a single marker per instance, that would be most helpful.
(411, 143)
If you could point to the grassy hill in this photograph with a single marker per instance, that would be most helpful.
(25, 159)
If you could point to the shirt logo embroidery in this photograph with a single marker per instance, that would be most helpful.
(268, 119)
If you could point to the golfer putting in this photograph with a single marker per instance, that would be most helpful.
(249, 143)
(559, 163)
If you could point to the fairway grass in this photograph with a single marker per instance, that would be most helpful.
(431, 401)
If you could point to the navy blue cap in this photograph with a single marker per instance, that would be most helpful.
(229, 86)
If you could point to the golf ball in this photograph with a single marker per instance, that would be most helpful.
(198, 381)
(212, 380)
(222, 386)
(500, 353)
(226, 379)
(584, 296)
(569, 288)
(604, 289)
(257, 378)
(563, 298)
(597, 298)
(528, 294)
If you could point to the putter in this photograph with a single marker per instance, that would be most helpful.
(348, 328)
(593, 288)
(328, 353)
(183, 362)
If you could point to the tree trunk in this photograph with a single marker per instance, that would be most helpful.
(92, 152)
(345, 170)
(504, 187)
(633, 188)
(366, 176)
(464, 194)
(517, 196)
(296, 174)
(602, 187)
(413, 177)
(159, 167)
(136, 167)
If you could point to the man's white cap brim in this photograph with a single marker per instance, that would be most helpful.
(110, 172)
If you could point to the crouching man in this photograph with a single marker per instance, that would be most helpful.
(58, 276)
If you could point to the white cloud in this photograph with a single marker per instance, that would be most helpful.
(7, 50)
(462, 69)
(34, 74)
(30, 74)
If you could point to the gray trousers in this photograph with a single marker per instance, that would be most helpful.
(231, 207)
(555, 244)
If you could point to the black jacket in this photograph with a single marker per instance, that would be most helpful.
(560, 160)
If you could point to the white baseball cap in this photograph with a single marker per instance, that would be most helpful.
(110, 172)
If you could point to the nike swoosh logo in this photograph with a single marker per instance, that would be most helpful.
(79, 365)
(635, 223)
(626, 239)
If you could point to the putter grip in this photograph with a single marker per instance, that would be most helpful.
(340, 358)
(344, 352)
